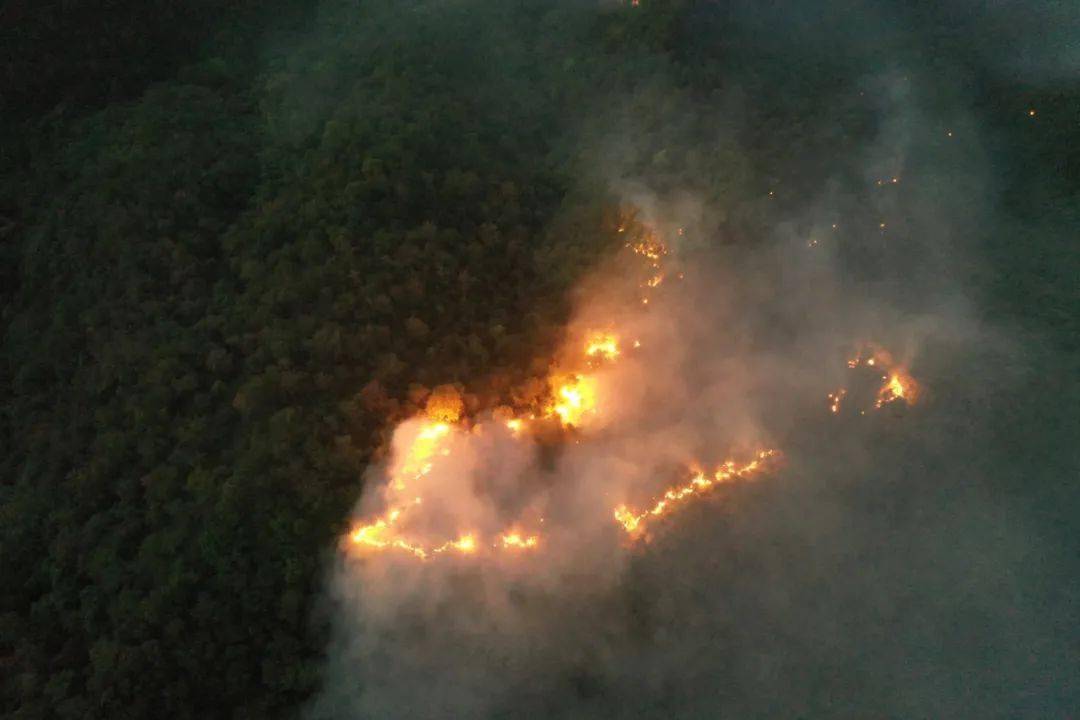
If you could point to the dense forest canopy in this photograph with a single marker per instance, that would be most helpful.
(241, 240)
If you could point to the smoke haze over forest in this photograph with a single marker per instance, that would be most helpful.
(245, 272)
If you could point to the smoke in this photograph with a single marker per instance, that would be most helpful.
(876, 570)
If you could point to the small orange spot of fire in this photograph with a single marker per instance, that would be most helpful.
(514, 424)
(835, 398)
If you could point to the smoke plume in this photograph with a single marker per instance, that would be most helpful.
(868, 568)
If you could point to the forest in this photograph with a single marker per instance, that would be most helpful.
(240, 241)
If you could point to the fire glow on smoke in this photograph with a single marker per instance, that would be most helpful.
(406, 528)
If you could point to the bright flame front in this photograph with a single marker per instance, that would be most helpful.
(699, 484)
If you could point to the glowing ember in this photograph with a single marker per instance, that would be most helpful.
(651, 247)
(835, 398)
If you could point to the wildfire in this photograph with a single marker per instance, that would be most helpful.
(417, 461)
(575, 398)
(897, 383)
(634, 522)
(377, 536)
(515, 539)
(652, 248)
(602, 346)
(898, 386)
(465, 544)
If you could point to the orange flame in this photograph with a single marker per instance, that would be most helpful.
(651, 247)
(575, 398)
(514, 539)
(700, 483)
(898, 386)
(602, 345)
(464, 544)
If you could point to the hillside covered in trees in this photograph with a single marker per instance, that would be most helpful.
(238, 241)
